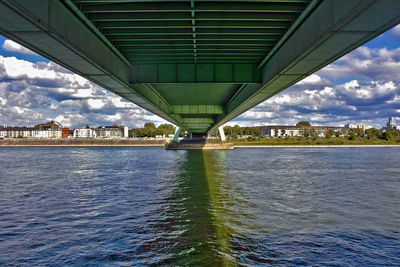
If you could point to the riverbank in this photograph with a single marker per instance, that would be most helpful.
(281, 146)
(260, 142)
(314, 142)
(81, 142)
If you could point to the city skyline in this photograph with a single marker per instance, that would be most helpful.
(361, 87)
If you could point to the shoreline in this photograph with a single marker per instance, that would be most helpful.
(87, 145)
(80, 143)
(163, 145)
(260, 146)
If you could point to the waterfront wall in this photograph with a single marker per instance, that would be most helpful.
(82, 142)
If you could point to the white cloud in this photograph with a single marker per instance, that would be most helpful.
(312, 79)
(12, 46)
(363, 86)
(96, 103)
(33, 92)
(70, 119)
(374, 64)
(369, 102)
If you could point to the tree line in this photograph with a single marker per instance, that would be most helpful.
(150, 130)
(236, 131)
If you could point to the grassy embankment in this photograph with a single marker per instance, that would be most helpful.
(301, 141)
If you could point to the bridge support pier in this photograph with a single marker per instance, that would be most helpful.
(221, 133)
(198, 143)
(176, 135)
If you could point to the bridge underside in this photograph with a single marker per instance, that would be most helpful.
(197, 64)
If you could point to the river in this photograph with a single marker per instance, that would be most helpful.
(148, 206)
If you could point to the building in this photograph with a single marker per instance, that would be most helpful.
(294, 131)
(125, 131)
(59, 132)
(64, 133)
(55, 133)
(113, 131)
(16, 131)
(84, 133)
(355, 126)
(280, 130)
(391, 124)
(29, 132)
(49, 125)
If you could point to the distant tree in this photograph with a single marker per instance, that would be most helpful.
(337, 133)
(352, 135)
(306, 132)
(360, 132)
(329, 133)
(150, 125)
(136, 132)
(131, 133)
(165, 129)
(303, 123)
(255, 131)
(344, 132)
(228, 131)
(236, 130)
(372, 133)
(283, 132)
(87, 126)
(247, 131)
(387, 135)
(313, 133)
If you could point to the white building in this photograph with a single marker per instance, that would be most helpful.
(294, 131)
(16, 132)
(126, 131)
(84, 133)
(3, 133)
(355, 126)
(112, 131)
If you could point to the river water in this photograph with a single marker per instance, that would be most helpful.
(250, 206)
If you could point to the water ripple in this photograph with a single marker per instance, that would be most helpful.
(147, 206)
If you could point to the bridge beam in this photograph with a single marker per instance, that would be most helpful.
(197, 73)
(196, 109)
(332, 30)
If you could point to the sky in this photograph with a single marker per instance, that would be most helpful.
(361, 87)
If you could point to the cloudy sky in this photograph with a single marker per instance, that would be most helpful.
(361, 87)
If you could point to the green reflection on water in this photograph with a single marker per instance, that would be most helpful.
(213, 166)
(197, 219)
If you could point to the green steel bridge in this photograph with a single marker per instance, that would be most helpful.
(195, 63)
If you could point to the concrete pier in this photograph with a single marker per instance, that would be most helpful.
(198, 144)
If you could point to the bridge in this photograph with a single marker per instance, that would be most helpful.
(195, 63)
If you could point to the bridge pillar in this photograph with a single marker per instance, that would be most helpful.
(176, 135)
(190, 136)
(221, 133)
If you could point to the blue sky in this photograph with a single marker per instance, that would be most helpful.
(361, 87)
